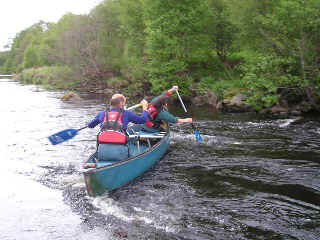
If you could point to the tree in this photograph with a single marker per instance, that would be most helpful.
(289, 30)
(174, 40)
(30, 57)
(28, 39)
(3, 58)
(133, 33)
(221, 30)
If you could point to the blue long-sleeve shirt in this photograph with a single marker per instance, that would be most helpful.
(128, 117)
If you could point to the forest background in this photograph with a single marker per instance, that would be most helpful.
(268, 51)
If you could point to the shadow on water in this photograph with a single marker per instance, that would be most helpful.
(214, 183)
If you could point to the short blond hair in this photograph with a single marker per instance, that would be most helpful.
(116, 99)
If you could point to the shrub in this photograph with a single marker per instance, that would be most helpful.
(265, 76)
(51, 77)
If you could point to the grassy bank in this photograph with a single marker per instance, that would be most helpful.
(52, 77)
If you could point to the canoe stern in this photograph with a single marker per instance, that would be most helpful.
(111, 176)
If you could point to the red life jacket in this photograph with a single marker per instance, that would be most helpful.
(112, 131)
(152, 113)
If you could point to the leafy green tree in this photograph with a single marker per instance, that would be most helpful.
(134, 36)
(105, 19)
(3, 58)
(251, 11)
(289, 30)
(266, 80)
(221, 29)
(30, 57)
(22, 41)
(174, 39)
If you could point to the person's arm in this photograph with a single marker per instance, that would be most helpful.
(184, 120)
(98, 119)
(164, 115)
(132, 117)
(167, 93)
(158, 98)
(180, 120)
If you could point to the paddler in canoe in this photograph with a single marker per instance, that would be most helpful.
(112, 139)
(159, 116)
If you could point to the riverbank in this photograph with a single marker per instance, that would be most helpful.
(233, 101)
(53, 77)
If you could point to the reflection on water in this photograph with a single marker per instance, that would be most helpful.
(30, 210)
(251, 177)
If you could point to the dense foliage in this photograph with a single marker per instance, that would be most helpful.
(268, 50)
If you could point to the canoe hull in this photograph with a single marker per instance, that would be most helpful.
(113, 176)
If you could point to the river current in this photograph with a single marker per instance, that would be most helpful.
(250, 178)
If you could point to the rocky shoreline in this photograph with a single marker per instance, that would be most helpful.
(236, 104)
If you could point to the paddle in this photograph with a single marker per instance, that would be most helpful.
(196, 131)
(134, 106)
(64, 135)
(67, 134)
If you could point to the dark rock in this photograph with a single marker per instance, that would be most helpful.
(264, 111)
(120, 233)
(208, 98)
(279, 109)
(283, 103)
(283, 114)
(212, 98)
(237, 100)
(304, 107)
(199, 101)
(219, 106)
(236, 104)
(295, 113)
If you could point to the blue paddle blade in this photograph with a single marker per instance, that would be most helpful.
(63, 136)
(198, 136)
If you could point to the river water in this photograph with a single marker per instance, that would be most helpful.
(250, 178)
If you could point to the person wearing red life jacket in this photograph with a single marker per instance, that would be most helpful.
(159, 114)
(112, 138)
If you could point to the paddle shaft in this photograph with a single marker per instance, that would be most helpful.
(134, 106)
(82, 128)
(184, 107)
